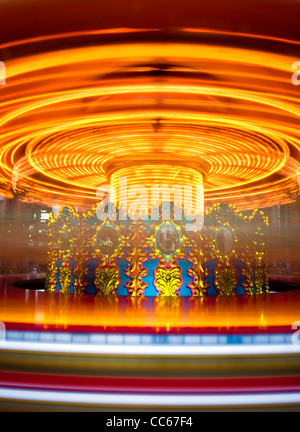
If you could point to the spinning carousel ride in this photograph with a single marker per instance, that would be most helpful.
(194, 94)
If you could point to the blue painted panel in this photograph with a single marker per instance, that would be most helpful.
(151, 266)
(91, 265)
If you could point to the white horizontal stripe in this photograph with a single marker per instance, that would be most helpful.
(150, 350)
(150, 400)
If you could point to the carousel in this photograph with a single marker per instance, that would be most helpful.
(168, 304)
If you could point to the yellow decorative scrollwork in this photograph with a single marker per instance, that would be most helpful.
(65, 278)
(52, 270)
(136, 242)
(259, 279)
(248, 283)
(231, 247)
(168, 281)
(107, 280)
(135, 271)
(80, 283)
(226, 281)
(198, 272)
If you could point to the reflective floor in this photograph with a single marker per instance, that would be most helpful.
(86, 352)
(25, 309)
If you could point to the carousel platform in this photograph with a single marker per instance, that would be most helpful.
(66, 352)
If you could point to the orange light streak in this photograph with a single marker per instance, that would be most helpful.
(67, 115)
